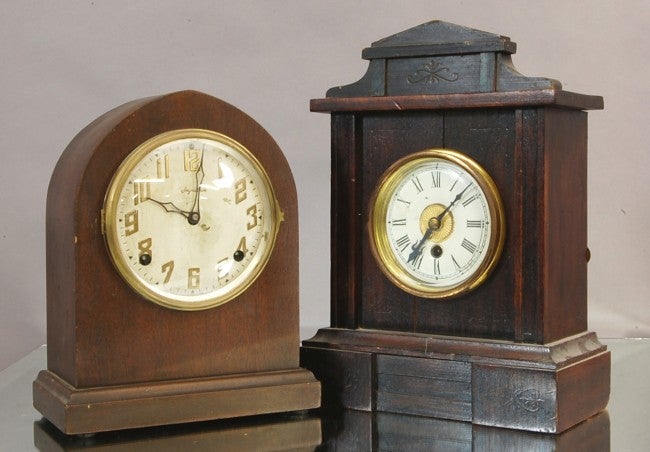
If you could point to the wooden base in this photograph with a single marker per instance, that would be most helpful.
(542, 388)
(89, 410)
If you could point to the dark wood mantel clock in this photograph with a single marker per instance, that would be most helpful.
(172, 271)
(459, 239)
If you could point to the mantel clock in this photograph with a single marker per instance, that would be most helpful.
(172, 271)
(459, 239)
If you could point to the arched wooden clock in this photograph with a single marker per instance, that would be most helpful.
(459, 239)
(172, 271)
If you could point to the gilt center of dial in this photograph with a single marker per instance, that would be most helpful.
(441, 228)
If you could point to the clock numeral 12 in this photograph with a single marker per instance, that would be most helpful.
(191, 160)
(435, 176)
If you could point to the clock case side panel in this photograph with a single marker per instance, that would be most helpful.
(565, 255)
(345, 221)
(62, 241)
(550, 225)
(120, 337)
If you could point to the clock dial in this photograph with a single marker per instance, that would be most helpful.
(190, 219)
(437, 223)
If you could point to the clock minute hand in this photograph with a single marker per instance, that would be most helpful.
(451, 204)
(200, 175)
(434, 225)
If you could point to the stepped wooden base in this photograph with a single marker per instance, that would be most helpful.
(89, 410)
(542, 388)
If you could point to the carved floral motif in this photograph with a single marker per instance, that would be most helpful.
(528, 399)
(432, 72)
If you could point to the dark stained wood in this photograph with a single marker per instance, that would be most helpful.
(565, 223)
(523, 332)
(429, 387)
(544, 388)
(100, 333)
(548, 97)
(386, 138)
(345, 242)
(347, 376)
(511, 146)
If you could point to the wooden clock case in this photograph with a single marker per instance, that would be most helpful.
(116, 360)
(515, 352)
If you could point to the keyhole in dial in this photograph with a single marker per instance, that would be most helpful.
(238, 256)
(436, 251)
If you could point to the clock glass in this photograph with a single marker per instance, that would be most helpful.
(436, 223)
(190, 219)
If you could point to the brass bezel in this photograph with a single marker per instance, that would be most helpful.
(120, 178)
(379, 242)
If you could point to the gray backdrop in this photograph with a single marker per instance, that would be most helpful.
(63, 63)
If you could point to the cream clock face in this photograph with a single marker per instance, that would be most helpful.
(437, 223)
(190, 219)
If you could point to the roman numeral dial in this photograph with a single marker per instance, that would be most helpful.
(436, 223)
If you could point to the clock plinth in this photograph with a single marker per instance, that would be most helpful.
(83, 410)
(510, 348)
(536, 387)
(219, 336)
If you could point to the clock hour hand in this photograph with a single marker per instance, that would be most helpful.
(417, 249)
(192, 217)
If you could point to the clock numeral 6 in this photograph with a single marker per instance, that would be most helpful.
(193, 278)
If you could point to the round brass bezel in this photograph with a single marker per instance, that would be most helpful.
(378, 234)
(121, 177)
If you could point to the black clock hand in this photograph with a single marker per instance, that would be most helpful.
(417, 249)
(196, 208)
(171, 208)
(434, 225)
(455, 200)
